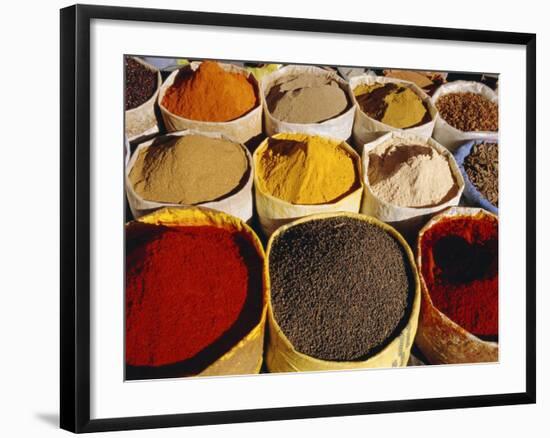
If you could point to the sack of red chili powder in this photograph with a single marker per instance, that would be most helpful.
(195, 295)
(458, 266)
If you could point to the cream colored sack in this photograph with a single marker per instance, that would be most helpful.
(274, 212)
(240, 130)
(339, 127)
(281, 356)
(127, 152)
(239, 204)
(440, 339)
(451, 137)
(408, 220)
(246, 356)
(141, 121)
(366, 129)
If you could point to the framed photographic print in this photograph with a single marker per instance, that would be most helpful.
(269, 218)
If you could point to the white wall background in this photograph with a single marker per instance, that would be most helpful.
(29, 247)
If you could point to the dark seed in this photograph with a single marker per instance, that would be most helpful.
(141, 83)
(340, 287)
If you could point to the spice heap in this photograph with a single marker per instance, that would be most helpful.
(141, 83)
(192, 292)
(306, 98)
(392, 104)
(481, 166)
(460, 268)
(428, 81)
(189, 170)
(410, 175)
(210, 94)
(303, 169)
(468, 111)
(340, 287)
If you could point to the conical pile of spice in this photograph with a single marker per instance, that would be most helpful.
(428, 81)
(393, 104)
(306, 98)
(341, 287)
(192, 293)
(410, 175)
(189, 170)
(304, 169)
(210, 94)
(459, 257)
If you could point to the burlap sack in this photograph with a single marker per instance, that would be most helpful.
(281, 356)
(407, 220)
(238, 203)
(366, 129)
(451, 137)
(274, 212)
(441, 340)
(141, 121)
(241, 130)
(339, 127)
(247, 355)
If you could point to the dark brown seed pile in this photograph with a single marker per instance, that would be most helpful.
(340, 288)
(141, 83)
(481, 166)
(468, 111)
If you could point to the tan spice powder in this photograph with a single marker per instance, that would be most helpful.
(306, 98)
(410, 175)
(189, 170)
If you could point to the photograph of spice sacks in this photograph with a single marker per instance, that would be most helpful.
(294, 218)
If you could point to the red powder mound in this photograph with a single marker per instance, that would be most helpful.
(186, 288)
(460, 268)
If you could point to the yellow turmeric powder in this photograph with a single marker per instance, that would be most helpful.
(210, 94)
(305, 169)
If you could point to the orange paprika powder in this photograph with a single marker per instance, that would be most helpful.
(192, 292)
(460, 268)
(210, 94)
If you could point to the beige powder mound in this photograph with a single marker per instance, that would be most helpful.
(189, 170)
(306, 98)
(410, 175)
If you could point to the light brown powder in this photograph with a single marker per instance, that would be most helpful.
(410, 175)
(306, 98)
(189, 170)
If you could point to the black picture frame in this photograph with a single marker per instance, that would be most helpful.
(75, 217)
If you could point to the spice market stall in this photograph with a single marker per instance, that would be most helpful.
(336, 178)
